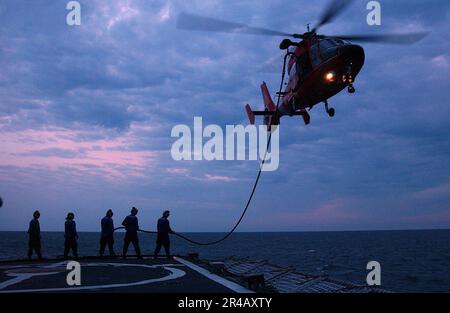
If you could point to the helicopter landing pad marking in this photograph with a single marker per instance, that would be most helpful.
(220, 280)
(24, 273)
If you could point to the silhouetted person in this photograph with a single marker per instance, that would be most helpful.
(34, 236)
(131, 236)
(71, 236)
(162, 238)
(107, 237)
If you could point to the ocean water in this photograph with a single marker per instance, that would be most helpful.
(411, 261)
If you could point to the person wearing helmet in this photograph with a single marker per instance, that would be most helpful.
(162, 238)
(71, 236)
(107, 236)
(34, 236)
(131, 225)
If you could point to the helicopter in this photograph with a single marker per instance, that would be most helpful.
(318, 66)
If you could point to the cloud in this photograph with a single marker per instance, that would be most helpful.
(435, 192)
(62, 148)
(218, 178)
(122, 11)
(333, 212)
(428, 220)
(441, 62)
(165, 13)
(178, 171)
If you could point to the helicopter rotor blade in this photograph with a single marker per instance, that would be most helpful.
(332, 11)
(401, 39)
(193, 22)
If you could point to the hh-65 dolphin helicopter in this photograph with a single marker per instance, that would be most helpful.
(319, 66)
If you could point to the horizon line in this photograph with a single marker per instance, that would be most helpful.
(254, 232)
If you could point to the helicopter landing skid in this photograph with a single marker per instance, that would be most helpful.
(331, 112)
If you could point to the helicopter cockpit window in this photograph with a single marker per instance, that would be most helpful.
(314, 54)
(326, 44)
(338, 41)
(327, 49)
(303, 66)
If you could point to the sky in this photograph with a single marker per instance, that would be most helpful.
(86, 114)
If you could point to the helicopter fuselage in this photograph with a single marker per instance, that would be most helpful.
(318, 70)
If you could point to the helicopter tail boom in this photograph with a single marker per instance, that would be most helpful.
(252, 114)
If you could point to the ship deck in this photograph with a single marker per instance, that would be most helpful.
(114, 275)
(179, 275)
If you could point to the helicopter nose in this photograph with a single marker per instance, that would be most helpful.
(352, 53)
